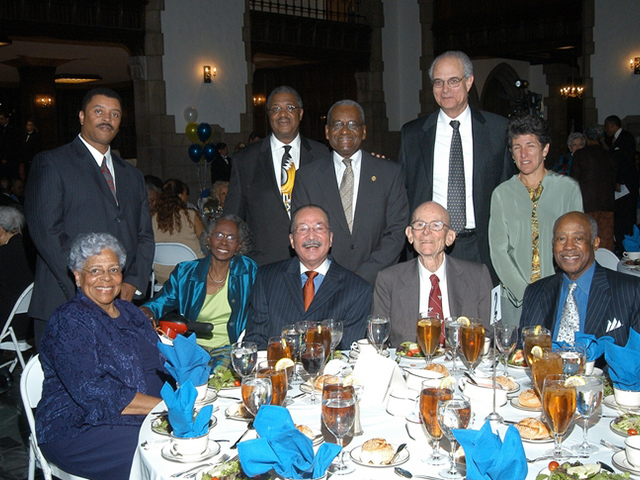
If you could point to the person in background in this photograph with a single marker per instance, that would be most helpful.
(31, 144)
(221, 164)
(154, 188)
(575, 141)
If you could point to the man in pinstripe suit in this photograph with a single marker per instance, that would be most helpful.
(277, 297)
(608, 302)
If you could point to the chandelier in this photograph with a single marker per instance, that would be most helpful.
(572, 91)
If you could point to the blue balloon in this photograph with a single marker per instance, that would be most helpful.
(209, 151)
(195, 152)
(204, 132)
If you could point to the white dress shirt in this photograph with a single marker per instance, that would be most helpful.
(277, 151)
(97, 156)
(425, 287)
(356, 164)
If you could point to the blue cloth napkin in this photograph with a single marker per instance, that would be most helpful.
(595, 346)
(180, 406)
(632, 243)
(489, 458)
(186, 360)
(283, 448)
(624, 363)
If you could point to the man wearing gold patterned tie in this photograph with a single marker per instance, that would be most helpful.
(263, 174)
(83, 187)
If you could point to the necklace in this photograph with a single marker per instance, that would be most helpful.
(217, 281)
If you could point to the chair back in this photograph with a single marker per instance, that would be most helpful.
(607, 259)
(172, 253)
(21, 306)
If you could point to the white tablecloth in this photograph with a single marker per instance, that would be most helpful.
(376, 422)
(629, 270)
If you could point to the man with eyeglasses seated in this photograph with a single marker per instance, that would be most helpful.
(263, 175)
(311, 286)
(364, 195)
(456, 156)
(434, 282)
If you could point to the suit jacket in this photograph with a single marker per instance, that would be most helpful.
(67, 195)
(492, 165)
(276, 300)
(595, 170)
(255, 197)
(624, 151)
(613, 295)
(381, 213)
(397, 295)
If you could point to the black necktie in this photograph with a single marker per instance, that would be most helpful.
(456, 193)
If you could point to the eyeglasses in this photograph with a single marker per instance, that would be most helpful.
(277, 109)
(351, 125)
(434, 226)
(220, 236)
(305, 229)
(101, 272)
(453, 82)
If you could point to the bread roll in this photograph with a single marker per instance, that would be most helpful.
(437, 367)
(321, 379)
(376, 452)
(306, 430)
(533, 429)
(529, 398)
(506, 382)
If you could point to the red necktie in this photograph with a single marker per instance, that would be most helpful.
(308, 290)
(108, 177)
(435, 302)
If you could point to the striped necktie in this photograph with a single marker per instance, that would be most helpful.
(108, 177)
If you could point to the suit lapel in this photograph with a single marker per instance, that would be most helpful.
(266, 162)
(328, 185)
(429, 139)
(549, 298)
(409, 289)
(293, 284)
(330, 285)
(366, 190)
(89, 163)
(480, 165)
(599, 302)
(455, 283)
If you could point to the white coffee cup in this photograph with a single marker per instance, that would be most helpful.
(487, 346)
(401, 401)
(631, 255)
(626, 398)
(202, 392)
(415, 377)
(588, 367)
(632, 449)
(189, 445)
(363, 345)
(482, 393)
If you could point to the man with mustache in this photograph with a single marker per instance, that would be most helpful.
(583, 296)
(263, 175)
(311, 286)
(83, 187)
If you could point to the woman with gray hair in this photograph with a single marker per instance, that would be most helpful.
(214, 289)
(575, 141)
(102, 368)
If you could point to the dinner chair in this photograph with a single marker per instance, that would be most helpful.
(31, 392)
(607, 259)
(8, 337)
(169, 254)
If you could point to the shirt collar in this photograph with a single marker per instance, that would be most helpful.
(584, 281)
(355, 159)
(277, 144)
(95, 153)
(441, 272)
(322, 269)
(463, 118)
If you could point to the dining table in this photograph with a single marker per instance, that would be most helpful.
(150, 463)
(629, 267)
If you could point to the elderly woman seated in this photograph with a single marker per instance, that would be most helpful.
(214, 289)
(103, 370)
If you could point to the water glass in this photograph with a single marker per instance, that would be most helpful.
(255, 393)
(452, 334)
(453, 415)
(588, 400)
(506, 337)
(244, 356)
(378, 331)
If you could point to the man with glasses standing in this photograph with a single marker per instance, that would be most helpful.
(365, 196)
(434, 282)
(263, 174)
(457, 156)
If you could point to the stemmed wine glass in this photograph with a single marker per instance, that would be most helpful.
(255, 392)
(336, 332)
(452, 415)
(588, 399)
(472, 344)
(452, 333)
(378, 331)
(506, 337)
(559, 405)
(293, 337)
(244, 356)
(429, 328)
(312, 361)
(428, 399)
(574, 359)
(338, 415)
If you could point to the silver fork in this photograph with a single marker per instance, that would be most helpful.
(546, 457)
(193, 470)
(610, 445)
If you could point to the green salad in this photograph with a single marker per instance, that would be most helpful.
(222, 377)
(578, 471)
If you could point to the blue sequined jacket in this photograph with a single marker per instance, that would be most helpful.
(186, 290)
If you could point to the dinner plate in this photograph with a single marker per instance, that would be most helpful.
(515, 403)
(488, 381)
(166, 430)
(540, 440)
(403, 456)
(621, 432)
(620, 461)
(610, 401)
(232, 413)
(212, 449)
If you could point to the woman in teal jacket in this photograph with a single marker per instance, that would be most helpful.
(214, 289)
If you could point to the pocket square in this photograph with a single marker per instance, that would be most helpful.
(613, 324)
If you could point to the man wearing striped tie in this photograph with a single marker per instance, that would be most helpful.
(83, 187)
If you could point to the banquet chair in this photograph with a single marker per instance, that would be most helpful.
(8, 338)
(607, 259)
(169, 254)
(31, 392)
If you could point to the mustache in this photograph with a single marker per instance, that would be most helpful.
(105, 125)
(311, 243)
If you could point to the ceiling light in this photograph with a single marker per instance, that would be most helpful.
(5, 41)
(76, 78)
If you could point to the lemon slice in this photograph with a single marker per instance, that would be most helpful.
(537, 351)
(575, 381)
(351, 380)
(447, 382)
(284, 363)
(537, 330)
(464, 321)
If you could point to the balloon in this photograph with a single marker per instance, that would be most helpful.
(204, 132)
(209, 151)
(195, 152)
(192, 131)
(190, 115)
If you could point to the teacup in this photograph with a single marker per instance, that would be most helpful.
(631, 255)
(202, 392)
(632, 449)
(486, 347)
(483, 392)
(588, 367)
(363, 345)
(415, 377)
(626, 398)
(189, 445)
(401, 401)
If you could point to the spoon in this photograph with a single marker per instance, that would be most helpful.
(471, 379)
(407, 474)
(249, 427)
(401, 447)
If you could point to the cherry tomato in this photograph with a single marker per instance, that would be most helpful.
(553, 465)
(632, 431)
(237, 383)
(409, 353)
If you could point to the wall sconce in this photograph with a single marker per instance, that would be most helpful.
(44, 101)
(209, 72)
(258, 100)
(634, 64)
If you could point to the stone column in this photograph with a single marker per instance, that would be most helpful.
(427, 101)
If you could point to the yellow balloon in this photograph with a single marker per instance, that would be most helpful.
(192, 131)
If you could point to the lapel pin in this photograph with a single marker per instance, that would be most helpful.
(374, 178)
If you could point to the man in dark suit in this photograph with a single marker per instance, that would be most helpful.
(83, 187)
(221, 164)
(602, 302)
(354, 183)
(623, 147)
(309, 287)
(457, 170)
(263, 174)
(405, 290)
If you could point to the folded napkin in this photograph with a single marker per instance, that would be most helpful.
(595, 346)
(180, 406)
(632, 243)
(379, 376)
(624, 363)
(283, 448)
(489, 458)
(186, 360)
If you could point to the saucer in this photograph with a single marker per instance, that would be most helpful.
(403, 456)
(610, 401)
(620, 461)
(212, 449)
(515, 403)
(160, 425)
(211, 396)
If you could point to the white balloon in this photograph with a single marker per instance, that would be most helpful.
(190, 114)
